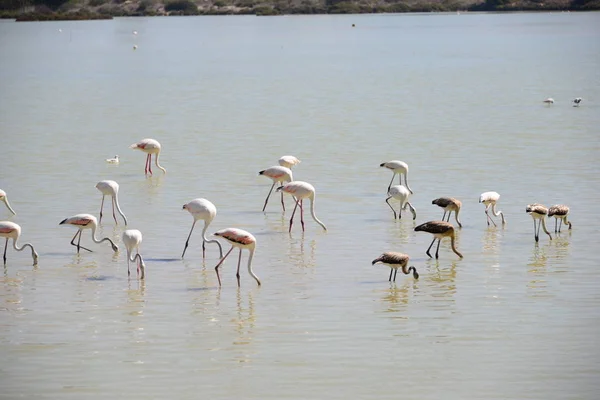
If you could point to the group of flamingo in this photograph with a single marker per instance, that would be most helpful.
(281, 175)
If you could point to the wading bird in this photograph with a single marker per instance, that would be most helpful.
(86, 221)
(400, 193)
(577, 101)
(206, 211)
(549, 100)
(400, 168)
(300, 191)
(489, 199)
(242, 240)
(538, 212)
(439, 230)
(149, 146)
(132, 238)
(277, 174)
(10, 230)
(288, 161)
(559, 212)
(394, 261)
(4, 199)
(449, 204)
(113, 160)
(110, 188)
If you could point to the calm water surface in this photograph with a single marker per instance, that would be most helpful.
(458, 97)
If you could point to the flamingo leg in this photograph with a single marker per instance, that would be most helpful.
(78, 241)
(391, 272)
(267, 199)
(388, 202)
(221, 262)
(536, 232)
(150, 163)
(113, 208)
(282, 202)
(128, 261)
(444, 216)
(392, 181)
(146, 166)
(302, 215)
(237, 275)
(101, 207)
(187, 242)
(437, 250)
(560, 225)
(429, 248)
(488, 216)
(292, 218)
(5, 247)
(395, 273)
(203, 249)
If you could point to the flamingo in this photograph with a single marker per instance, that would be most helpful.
(149, 146)
(301, 190)
(288, 161)
(490, 199)
(132, 238)
(10, 230)
(549, 100)
(559, 212)
(113, 160)
(277, 174)
(577, 100)
(538, 212)
(396, 260)
(449, 204)
(242, 240)
(86, 221)
(110, 188)
(400, 168)
(439, 230)
(400, 193)
(205, 210)
(4, 199)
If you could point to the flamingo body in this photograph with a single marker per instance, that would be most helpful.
(132, 238)
(114, 160)
(538, 212)
(301, 190)
(549, 100)
(489, 199)
(150, 147)
(86, 221)
(10, 230)
(202, 209)
(439, 230)
(288, 161)
(398, 168)
(577, 101)
(396, 260)
(400, 193)
(277, 174)
(110, 188)
(559, 212)
(4, 199)
(449, 204)
(242, 240)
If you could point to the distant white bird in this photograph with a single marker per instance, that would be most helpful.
(538, 212)
(400, 193)
(86, 221)
(278, 174)
(135, 46)
(400, 168)
(490, 199)
(149, 146)
(206, 211)
(134, 32)
(549, 100)
(4, 199)
(300, 191)
(242, 240)
(110, 188)
(10, 230)
(288, 161)
(577, 100)
(113, 160)
(132, 238)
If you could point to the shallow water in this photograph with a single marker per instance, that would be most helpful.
(457, 97)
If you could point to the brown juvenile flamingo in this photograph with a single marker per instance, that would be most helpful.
(396, 260)
(439, 230)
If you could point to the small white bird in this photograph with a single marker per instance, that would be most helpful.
(577, 100)
(549, 100)
(134, 32)
(113, 160)
(135, 46)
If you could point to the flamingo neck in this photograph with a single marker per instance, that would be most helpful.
(141, 264)
(119, 208)
(544, 227)
(497, 213)
(5, 200)
(207, 240)
(34, 254)
(96, 240)
(454, 249)
(456, 217)
(312, 212)
(250, 266)
(157, 164)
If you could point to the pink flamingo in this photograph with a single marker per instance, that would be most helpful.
(132, 238)
(398, 168)
(10, 230)
(149, 146)
(4, 199)
(277, 174)
(204, 210)
(301, 190)
(242, 240)
(288, 161)
(86, 221)
(110, 188)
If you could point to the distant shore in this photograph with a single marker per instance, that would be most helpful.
(54, 10)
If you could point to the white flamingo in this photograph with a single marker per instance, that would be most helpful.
(242, 240)
(398, 168)
(110, 188)
(86, 221)
(538, 212)
(4, 199)
(149, 146)
(549, 100)
(132, 238)
(400, 193)
(288, 161)
(277, 174)
(489, 199)
(10, 230)
(300, 191)
(206, 211)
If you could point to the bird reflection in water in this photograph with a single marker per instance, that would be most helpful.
(396, 297)
(441, 280)
(297, 254)
(490, 241)
(537, 270)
